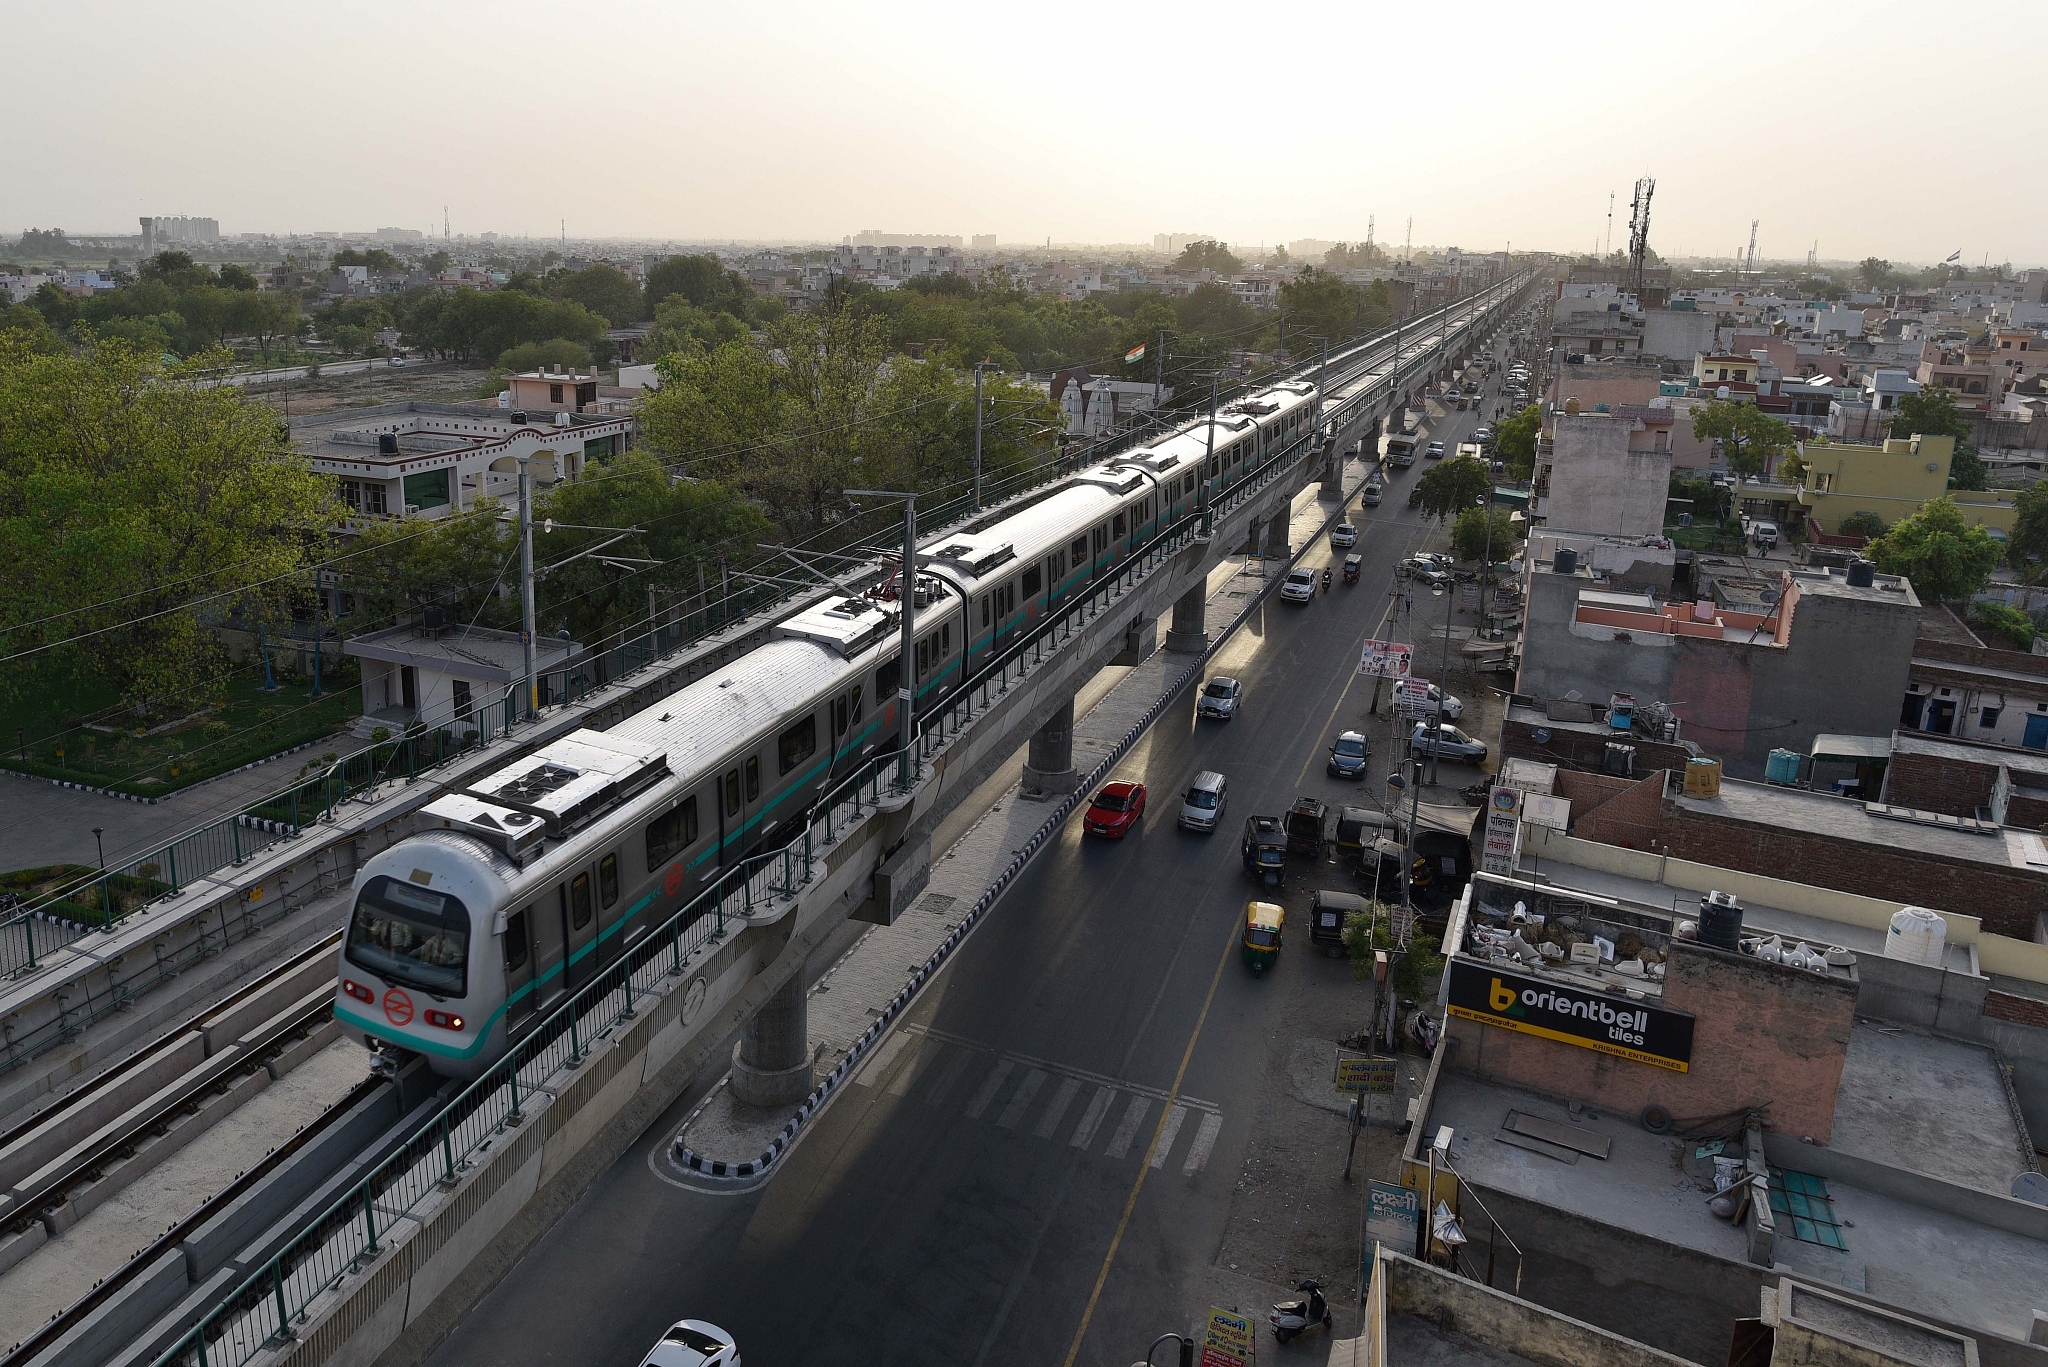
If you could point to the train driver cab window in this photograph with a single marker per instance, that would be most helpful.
(673, 831)
(579, 901)
(732, 792)
(608, 880)
(516, 943)
(1032, 580)
(753, 779)
(798, 743)
(411, 936)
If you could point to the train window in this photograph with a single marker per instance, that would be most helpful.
(888, 678)
(1119, 531)
(673, 830)
(1032, 579)
(1078, 552)
(732, 792)
(516, 946)
(753, 779)
(608, 880)
(985, 608)
(579, 901)
(799, 742)
(410, 936)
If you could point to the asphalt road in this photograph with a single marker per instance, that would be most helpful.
(988, 1200)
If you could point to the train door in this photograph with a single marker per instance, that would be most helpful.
(1120, 535)
(752, 803)
(610, 939)
(579, 930)
(731, 818)
(521, 963)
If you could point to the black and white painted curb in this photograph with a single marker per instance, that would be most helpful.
(756, 1169)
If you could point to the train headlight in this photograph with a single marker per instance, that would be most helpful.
(357, 990)
(444, 1020)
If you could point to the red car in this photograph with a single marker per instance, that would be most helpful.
(1115, 811)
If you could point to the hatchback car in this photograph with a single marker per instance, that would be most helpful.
(1369, 496)
(1221, 697)
(1349, 756)
(1447, 742)
(1115, 811)
(693, 1343)
(1435, 451)
(1482, 435)
(1453, 709)
(1299, 586)
(1344, 534)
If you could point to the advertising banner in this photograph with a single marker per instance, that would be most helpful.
(1621, 1026)
(1372, 1076)
(1503, 831)
(1227, 1342)
(1385, 660)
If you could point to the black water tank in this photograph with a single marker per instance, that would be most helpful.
(1565, 560)
(1721, 922)
(387, 443)
(518, 417)
(1862, 574)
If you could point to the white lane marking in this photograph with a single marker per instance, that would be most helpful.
(989, 1089)
(936, 1093)
(1054, 1113)
(884, 1056)
(1164, 1145)
(1014, 1112)
(1084, 1133)
(1127, 1128)
(1205, 1140)
(912, 1069)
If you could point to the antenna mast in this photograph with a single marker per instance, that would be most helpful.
(1639, 234)
(1610, 223)
(1751, 269)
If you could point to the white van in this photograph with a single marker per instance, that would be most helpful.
(1201, 806)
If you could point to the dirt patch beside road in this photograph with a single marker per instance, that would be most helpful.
(425, 381)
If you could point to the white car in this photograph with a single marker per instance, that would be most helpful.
(1299, 586)
(693, 1343)
(1221, 698)
(1453, 709)
(1344, 534)
(1435, 451)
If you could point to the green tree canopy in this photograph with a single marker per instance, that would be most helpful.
(134, 503)
(556, 351)
(1861, 524)
(376, 258)
(1932, 412)
(1938, 549)
(1480, 532)
(1514, 440)
(1875, 272)
(604, 290)
(1450, 487)
(1320, 304)
(1208, 255)
(680, 326)
(2026, 549)
(1748, 437)
(701, 279)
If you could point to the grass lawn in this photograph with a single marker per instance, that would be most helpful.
(246, 725)
(1706, 538)
(94, 906)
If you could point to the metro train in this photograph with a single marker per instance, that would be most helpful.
(532, 879)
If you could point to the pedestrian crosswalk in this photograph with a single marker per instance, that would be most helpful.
(1051, 1102)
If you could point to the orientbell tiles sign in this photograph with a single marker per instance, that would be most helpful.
(1621, 1026)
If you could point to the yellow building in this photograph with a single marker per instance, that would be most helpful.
(1892, 480)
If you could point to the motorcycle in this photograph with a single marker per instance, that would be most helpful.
(1326, 581)
(1294, 1317)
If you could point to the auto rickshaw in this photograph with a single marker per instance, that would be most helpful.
(1379, 872)
(1327, 914)
(1305, 827)
(1353, 564)
(1358, 828)
(1265, 849)
(1262, 925)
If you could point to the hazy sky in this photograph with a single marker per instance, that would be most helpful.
(1102, 122)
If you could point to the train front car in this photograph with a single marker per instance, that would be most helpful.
(421, 970)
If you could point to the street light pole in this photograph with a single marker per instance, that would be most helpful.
(97, 833)
(1450, 593)
(906, 664)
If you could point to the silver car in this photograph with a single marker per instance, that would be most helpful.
(1221, 697)
(1447, 742)
(693, 1343)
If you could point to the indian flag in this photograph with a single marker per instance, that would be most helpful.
(1135, 354)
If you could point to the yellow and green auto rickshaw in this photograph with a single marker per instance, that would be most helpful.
(1262, 926)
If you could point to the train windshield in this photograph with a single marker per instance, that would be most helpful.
(411, 936)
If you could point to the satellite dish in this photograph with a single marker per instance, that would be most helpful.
(1769, 595)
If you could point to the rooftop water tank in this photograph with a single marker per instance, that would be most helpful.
(387, 443)
(1782, 767)
(1721, 921)
(1565, 560)
(1918, 936)
(1862, 574)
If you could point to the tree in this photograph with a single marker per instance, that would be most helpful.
(1347, 256)
(44, 242)
(1514, 440)
(1453, 486)
(236, 277)
(1278, 256)
(1874, 272)
(1208, 255)
(1938, 549)
(1748, 437)
(1864, 524)
(133, 499)
(2026, 549)
(604, 290)
(167, 265)
(701, 279)
(376, 258)
(680, 326)
(1709, 502)
(557, 351)
(1320, 304)
(1472, 540)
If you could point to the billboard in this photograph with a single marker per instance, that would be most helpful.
(1621, 1026)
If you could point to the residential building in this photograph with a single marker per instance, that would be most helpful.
(553, 391)
(1737, 373)
(1892, 480)
(1607, 472)
(1260, 289)
(1966, 372)
(1754, 657)
(436, 673)
(430, 459)
(159, 233)
(1596, 331)
(1883, 390)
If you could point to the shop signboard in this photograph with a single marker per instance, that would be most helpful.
(1622, 1026)
(1501, 842)
(1227, 1342)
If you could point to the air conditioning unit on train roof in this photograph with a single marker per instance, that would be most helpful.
(1118, 479)
(845, 625)
(970, 558)
(570, 782)
(509, 830)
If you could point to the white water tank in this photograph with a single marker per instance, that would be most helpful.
(1918, 936)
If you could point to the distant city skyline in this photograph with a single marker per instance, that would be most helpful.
(1512, 126)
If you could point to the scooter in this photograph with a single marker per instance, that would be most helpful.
(1293, 1317)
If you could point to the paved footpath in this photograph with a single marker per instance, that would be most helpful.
(983, 836)
(41, 823)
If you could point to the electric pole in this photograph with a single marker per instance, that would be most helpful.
(1159, 373)
(977, 434)
(906, 598)
(527, 626)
